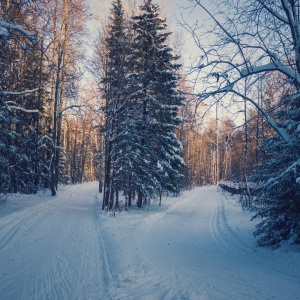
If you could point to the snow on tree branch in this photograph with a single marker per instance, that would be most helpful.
(5, 93)
(273, 12)
(12, 105)
(272, 66)
(5, 27)
(229, 89)
(23, 109)
(66, 108)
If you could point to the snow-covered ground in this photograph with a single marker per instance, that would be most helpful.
(197, 246)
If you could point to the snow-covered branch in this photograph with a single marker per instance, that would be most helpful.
(246, 42)
(272, 66)
(281, 131)
(229, 89)
(66, 108)
(274, 12)
(5, 27)
(23, 109)
(5, 93)
(12, 105)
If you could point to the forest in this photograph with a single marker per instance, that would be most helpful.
(126, 107)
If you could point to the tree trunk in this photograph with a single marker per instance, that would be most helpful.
(247, 190)
(140, 199)
(53, 184)
(117, 198)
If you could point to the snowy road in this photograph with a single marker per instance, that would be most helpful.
(197, 246)
(51, 249)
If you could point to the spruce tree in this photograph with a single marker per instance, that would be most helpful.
(114, 83)
(21, 69)
(142, 153)
(155, 83)
(278, 200)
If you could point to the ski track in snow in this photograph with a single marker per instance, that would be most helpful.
(196, 246)
(52, 250)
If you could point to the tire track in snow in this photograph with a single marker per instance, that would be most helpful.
(172, 232)
(54, 281)
(228, 247)
(54, 249)
(226, 239)
(220, 229)
(30, 215)
(107, 274)
(72, 277)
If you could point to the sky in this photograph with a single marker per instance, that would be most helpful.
(175, 11)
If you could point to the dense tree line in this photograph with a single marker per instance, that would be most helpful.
(22, 165)
(39, 90)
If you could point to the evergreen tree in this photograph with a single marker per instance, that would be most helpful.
(158, 99)
(114, 84)
(8, 152)
(22, 69)
(142, 153)
(278, 203)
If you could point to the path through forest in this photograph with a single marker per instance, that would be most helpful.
(197, 246)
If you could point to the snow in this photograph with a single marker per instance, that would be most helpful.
(196, 246)
(272, 66)
(3, 33)
(237, 185)
(4, 26)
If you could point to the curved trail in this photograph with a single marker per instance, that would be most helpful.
(197, 246)
(53, 249)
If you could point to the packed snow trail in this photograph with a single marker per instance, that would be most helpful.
(197, 246)
(52, 248)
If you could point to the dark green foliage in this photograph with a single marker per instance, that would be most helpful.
(23, 167)
(156, 84)
(278, 203)
(143, 155)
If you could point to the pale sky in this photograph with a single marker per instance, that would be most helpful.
(174, 10)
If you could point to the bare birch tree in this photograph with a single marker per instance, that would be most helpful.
(246, 39)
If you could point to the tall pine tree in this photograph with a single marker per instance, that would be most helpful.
(114, 84)
(158, 99)
(140, 89)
